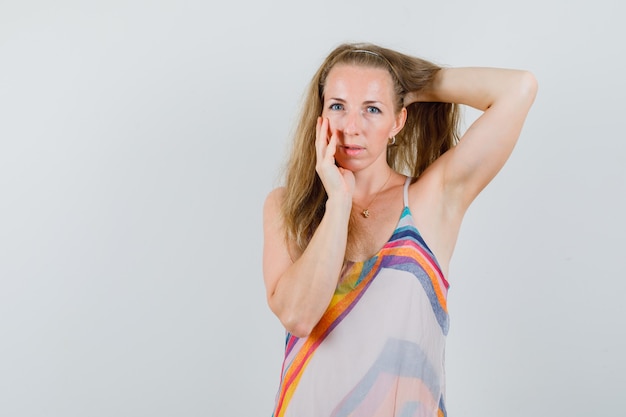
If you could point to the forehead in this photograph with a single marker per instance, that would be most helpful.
(356, 80)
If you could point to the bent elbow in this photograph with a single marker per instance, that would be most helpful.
(298, 322)
(298, 328)
(528, 86)
(294, 320)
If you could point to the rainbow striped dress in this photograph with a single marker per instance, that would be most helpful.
(378, 350)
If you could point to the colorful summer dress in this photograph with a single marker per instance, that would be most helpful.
(378, 350)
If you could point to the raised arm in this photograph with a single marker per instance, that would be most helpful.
(299, 291)
(505, 97)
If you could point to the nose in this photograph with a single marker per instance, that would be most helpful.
(352, 122)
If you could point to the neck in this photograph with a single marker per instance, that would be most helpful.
(369, 183)
(363, 204)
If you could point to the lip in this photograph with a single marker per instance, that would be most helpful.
(352, 150)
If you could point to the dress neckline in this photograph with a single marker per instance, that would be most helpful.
(378, 252)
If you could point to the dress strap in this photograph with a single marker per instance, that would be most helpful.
(406, 191)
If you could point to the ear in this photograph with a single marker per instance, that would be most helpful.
(400, 121)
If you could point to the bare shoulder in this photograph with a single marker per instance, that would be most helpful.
(426, 200)
(276, 257)
(273, 225)
(437, 221)
(273, 201)
(427, 190)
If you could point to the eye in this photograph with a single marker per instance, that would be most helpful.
(373, 110)
(336, 106)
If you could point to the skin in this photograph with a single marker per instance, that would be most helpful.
(352, 134)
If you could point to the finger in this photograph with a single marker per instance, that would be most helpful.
(318, 132)
(318, 126)
(321, 139)
(332, 147)
(329, 130)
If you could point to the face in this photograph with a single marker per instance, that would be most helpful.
(359, 103)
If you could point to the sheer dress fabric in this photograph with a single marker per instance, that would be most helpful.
(378, 350)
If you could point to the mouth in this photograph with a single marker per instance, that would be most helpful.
(352, 147)
(352, 150)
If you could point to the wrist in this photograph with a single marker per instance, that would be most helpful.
(339, 203)
(429, 93)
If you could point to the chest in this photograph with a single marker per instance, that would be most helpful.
(368, 234)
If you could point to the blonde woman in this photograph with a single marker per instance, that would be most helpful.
(358, 241)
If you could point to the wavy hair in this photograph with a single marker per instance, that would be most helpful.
(430, 130)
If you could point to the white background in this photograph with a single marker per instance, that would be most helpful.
(138, 140)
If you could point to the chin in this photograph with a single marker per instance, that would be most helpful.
(353, 166)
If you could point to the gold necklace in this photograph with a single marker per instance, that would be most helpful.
(366, 212)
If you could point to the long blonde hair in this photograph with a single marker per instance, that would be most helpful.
(430, 130)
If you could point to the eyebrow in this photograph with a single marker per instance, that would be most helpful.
(366, 102)
(373, 102)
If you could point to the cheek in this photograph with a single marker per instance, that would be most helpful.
(384, 131)
(334, 119)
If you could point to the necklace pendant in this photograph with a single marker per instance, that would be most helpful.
(365, 213)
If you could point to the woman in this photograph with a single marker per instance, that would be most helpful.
(358, 241)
